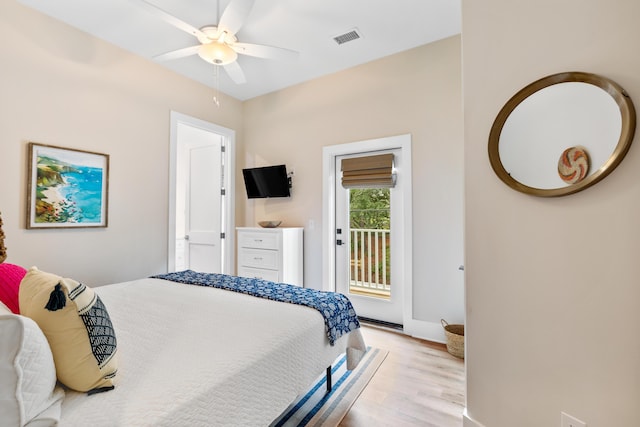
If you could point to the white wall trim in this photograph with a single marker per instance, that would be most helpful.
(467, 421)
(422, 329)
(329, 153)
(229, 138)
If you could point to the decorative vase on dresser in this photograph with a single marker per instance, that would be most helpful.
(273, 254)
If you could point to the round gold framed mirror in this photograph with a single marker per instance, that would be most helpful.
(562, 134)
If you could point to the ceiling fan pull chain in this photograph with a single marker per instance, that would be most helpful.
(216, 82)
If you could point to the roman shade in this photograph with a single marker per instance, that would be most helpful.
(368, 172)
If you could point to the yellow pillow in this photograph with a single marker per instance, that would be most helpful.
(77, 326)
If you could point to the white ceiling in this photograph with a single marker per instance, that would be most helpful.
(307, 26)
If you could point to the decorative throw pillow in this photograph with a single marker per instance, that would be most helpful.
(28, 392)
(77, 326)
(10, 277)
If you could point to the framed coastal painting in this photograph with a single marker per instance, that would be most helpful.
(66, 188)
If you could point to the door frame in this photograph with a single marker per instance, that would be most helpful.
(228, 213)
(329, 176)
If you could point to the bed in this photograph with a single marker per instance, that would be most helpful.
(200, 356)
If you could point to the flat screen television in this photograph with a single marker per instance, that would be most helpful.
(268, 181)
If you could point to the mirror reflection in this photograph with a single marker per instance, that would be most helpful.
(552, 120)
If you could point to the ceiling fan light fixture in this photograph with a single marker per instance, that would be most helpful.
(217, 53)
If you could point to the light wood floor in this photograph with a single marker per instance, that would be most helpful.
(418, 384)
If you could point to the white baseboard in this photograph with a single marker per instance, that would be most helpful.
(467, 421)
(425, 330)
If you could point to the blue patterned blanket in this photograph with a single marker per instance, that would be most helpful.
(339, 316)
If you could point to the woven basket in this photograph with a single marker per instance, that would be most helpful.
(455, 338)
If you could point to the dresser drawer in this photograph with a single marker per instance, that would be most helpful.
(256, 273)
(273, 254)
(259, 240)
(259, 258)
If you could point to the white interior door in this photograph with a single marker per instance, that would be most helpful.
(203, 206)
(367, 254)
(199, 200)
(201, 166)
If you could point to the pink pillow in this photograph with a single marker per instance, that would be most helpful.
(10, 277)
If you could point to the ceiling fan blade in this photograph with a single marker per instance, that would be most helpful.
(234, 16)
(167, 17)
(177, 54)
(235, 72)
(263, 51)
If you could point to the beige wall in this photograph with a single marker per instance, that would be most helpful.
(416, 92)
(551, 284)
(62, 87)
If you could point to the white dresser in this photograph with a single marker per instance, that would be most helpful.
(273, 254)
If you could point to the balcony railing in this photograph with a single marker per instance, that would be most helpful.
(370, 269)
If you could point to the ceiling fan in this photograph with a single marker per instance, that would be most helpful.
(218, 43)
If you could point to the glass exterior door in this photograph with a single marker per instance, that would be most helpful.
(365, 249)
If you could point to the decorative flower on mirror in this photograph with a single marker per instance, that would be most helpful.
(573, 165)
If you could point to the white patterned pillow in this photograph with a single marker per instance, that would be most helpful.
(77, 326)
(28, 392)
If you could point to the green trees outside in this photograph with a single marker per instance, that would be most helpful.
(370, 208)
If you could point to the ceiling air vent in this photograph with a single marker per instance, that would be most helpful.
(347, 37)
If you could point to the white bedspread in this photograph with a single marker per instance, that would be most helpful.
(197, 356)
